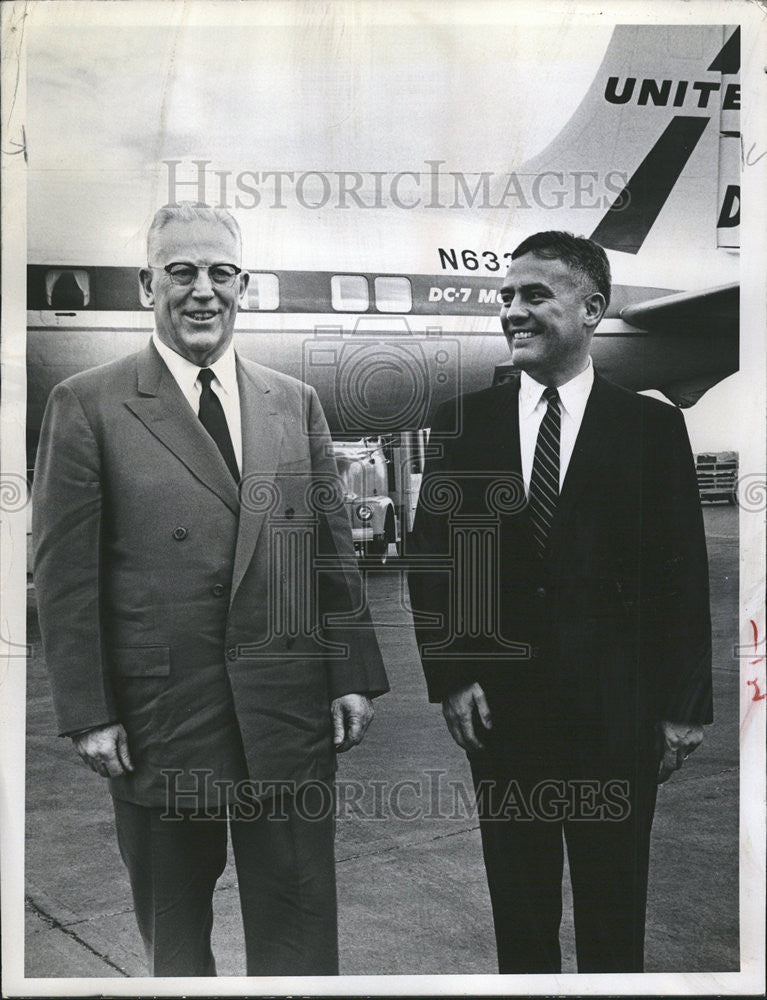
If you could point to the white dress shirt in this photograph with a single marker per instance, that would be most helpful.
(224, 385)
(573, 396)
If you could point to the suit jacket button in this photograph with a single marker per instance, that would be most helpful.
(180, 533)
(218, 589)
(231, 654)
(289, 512)
(540, 592)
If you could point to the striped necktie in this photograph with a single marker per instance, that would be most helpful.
(213, 419)
(544, 480)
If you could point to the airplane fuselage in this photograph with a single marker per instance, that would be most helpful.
(375, 371)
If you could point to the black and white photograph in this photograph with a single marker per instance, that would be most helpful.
(382, 501)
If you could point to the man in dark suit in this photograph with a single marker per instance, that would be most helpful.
(561, 606)
(185, 500)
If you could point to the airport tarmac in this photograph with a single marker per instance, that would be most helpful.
(412, 892)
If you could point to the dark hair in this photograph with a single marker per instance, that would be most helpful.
(581, 255)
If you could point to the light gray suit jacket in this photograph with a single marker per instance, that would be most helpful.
(216, 624)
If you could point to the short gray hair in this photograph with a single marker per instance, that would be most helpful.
(190, 211)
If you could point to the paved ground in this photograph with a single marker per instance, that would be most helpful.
(412, 892)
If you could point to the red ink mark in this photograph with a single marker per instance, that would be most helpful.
(756, 644)
(757, 696)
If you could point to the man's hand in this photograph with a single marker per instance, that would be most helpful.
(105, 750)
(679, 741)
(352, 714)
(462, 709)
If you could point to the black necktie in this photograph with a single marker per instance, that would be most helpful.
(213, 420)
(544, 481)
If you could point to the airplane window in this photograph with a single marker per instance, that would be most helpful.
(349, 293)
(393, 295)
(263, 292)
(67, 288)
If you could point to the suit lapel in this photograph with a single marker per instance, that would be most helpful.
(503, 439)
(163, 409)
(593, 448)
(262, 432)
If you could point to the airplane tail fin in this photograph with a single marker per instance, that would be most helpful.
(663, 112)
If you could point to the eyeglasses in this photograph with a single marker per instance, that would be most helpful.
(221, 275)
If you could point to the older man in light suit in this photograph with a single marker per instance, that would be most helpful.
(203, 623)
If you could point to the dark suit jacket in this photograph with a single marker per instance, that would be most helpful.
(188, 612)
(612, 628)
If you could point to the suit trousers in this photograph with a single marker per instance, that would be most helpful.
(284, 856)
(525, 808)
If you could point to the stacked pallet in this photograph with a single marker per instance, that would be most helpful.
(717, 476)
